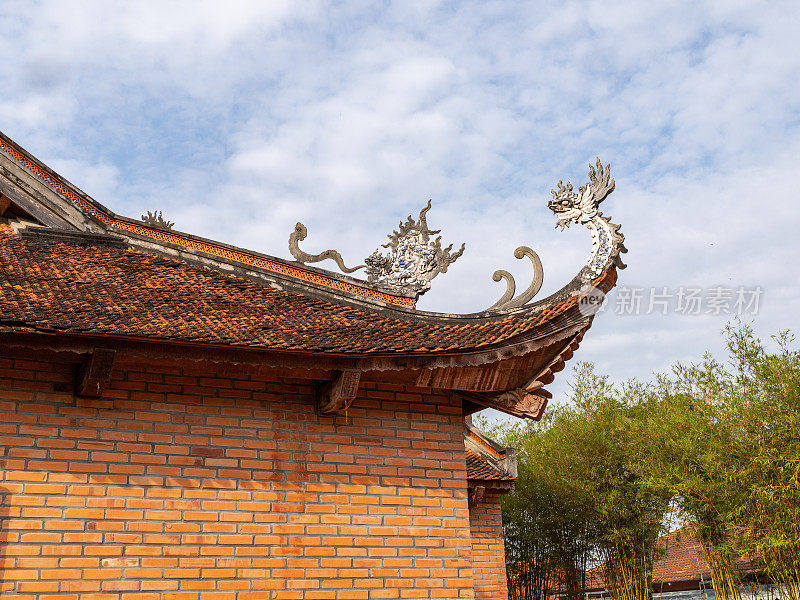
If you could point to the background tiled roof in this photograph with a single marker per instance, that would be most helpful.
(479, 468)
(682, 559)
(113, 291)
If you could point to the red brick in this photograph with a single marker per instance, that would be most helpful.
(188, 486)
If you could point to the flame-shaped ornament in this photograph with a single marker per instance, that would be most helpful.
(413, 260)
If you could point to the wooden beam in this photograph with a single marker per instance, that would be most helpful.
(5, 202)
(95, 376)
(37, 210)
(338, 395)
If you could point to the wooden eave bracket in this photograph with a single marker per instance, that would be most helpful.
(337, 395)
(489, 486)
(476, 494)
(516, 402)
(95, 376)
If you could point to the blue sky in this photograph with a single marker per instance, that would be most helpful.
(238, 119)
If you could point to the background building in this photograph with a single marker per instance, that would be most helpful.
(681, 572)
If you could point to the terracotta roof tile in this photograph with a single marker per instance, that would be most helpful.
(682, 559)
(47, 285)
(479, 468)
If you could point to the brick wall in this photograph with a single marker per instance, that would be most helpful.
(488, 549)
(183, 483)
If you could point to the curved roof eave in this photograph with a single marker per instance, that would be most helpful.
(335, 315)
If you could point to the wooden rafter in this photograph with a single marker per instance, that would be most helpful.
(530, 399)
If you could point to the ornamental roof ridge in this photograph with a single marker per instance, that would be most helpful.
(396, 279)
(111, 222)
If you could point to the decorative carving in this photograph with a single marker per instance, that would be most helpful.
(476, 494)
(156, 219)
(507, 301)
(583, 208)
(339, 394)
(413, 259)
(524, 401)
(571, 207)
(407, 269)
(298, 235)
(95, 376)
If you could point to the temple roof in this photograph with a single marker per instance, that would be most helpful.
(70, 287)
(488, 463)
(680, 558)
(69, 265)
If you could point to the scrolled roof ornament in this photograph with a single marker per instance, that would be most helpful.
(570, 207)
(507, 301)
(413, 260)
(298, 235)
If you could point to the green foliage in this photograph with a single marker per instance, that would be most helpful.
(546, 532)
(580, 497)
(717, 443)
(756, 401)
(730, 450)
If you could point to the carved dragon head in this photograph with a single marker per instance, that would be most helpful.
(570, 207)
(582, 207)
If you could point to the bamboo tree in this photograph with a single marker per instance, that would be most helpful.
(545, 528)
(580, 465)
(629, 511)
(718, 441)
(765, 388)
(733, 458)
(689, 446)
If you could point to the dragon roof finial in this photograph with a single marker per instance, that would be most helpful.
(583, 208)
(156, 219)
(413, 259)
